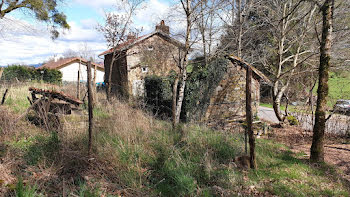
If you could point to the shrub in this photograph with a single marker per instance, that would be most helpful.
(26, 73)
(292, 120)
(22, 73)
(50, 75)
(159, 95)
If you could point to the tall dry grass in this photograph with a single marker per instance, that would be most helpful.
(134, 154)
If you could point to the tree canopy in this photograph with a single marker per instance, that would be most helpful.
(43, 10)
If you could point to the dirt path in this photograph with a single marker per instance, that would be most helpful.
(299, 140)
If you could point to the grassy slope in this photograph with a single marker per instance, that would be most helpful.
(339, 88)
(134, 154)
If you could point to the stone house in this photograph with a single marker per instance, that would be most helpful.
(70, 67)
(153, 54)
(227, 103)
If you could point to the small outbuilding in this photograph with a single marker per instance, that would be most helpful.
(71, 66)
(227, 103)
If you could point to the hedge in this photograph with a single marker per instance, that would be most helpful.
(26, 73)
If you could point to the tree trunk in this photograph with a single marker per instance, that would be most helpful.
(277, 96)
(181, 96)
(183, 63)
(317, 147)
(249, 117)
(176, 82)
(202, 30)
(240, 28)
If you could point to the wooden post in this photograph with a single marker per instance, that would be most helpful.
(90, 105)
(78, 82)
(4, 97)
(94, 84)
(1, 71)
(249, 117)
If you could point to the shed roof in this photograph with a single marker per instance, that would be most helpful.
(65, 61)
(258, 73)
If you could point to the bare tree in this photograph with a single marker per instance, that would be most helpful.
(115, 31)
(291, 45)
(70, 53)
(188, 7)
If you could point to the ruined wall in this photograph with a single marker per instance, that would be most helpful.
(227, 104)
(119, 80)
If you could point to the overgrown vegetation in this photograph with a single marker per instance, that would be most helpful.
(201, 82)
(134, 154)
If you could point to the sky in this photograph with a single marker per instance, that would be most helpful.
(24, 40)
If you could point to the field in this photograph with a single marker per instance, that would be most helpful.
(339, 88)
(134, 154)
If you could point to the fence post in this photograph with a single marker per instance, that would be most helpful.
(1, 71)
(78, 82)
(4, 97)
(249, 116)
(90, 105)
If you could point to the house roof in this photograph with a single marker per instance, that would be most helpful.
(255, 71)
(65, 61)
(131, 42)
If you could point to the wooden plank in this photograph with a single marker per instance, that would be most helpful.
(56, 94)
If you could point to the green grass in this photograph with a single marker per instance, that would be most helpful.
(22, 190)
(286, 174)
(192, 160)
(37, 148)
(16, 98)
(339, 87)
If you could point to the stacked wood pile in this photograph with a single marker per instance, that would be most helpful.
(50, 106)
(56, 95)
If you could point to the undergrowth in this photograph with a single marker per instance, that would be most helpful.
(135, 154)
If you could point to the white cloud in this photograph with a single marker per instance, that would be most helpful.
(21, 46)
(150, 14)
(96, 4)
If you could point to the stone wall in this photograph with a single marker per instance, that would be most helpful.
(119, 78)
(227, 104)
(153, 56)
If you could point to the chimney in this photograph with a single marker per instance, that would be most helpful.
(163, 28)
(131, 36)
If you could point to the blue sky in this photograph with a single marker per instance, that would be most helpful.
(26, 41)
